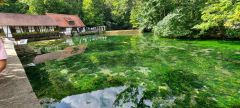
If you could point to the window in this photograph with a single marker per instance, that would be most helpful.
(18, 30)
(13, 29)
(31, 29)
(25, 29)
(71, 22)
(37, 29)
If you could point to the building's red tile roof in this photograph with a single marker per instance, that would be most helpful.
(12, 19)
(63, 20)
(51, 19)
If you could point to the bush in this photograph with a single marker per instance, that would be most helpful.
(171, 26)
(233, 33)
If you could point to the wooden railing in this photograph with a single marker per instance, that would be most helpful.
(92, 30)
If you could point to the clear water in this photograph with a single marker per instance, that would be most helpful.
(173, 73)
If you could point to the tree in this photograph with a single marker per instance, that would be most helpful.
(93, 12)
(121, 12)
(54, 6)
(220, 14)
(171, 18)
(136, 17)
(173, 25)
(155, 10)
(112, 13)
(13, 6)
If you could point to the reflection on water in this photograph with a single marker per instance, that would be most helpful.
(107, 98)
(69, 41)
(52, 50)
(132, 97)
(84, 40)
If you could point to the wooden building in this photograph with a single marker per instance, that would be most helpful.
(14, 24)
(68, 23)
(21, 23)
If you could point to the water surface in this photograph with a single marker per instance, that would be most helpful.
(174, 73)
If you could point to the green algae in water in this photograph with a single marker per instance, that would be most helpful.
(197, 73)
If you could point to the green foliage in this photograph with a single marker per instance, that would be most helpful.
(169, 18)
(218, 14)
(13, 6)
(112, 13)
(209, 16)
(173, 25)
(181, 81)
(93, 12)
(155, 10)
(136, 18)
(120, 13)
(196, 17)
(64, 6)
(53, 6)
(233, 33)
(234, 19)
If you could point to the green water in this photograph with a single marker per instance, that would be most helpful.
(197, 73)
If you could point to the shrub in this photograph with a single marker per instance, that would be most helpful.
(171, 26)
(233, 33)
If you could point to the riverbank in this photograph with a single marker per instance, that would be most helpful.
(122, 32)
(15, 89)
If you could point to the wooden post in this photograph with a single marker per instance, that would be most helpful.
(7, 31)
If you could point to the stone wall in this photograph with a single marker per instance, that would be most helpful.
(15, 88)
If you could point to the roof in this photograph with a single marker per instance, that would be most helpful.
(12, 19)
(63, 20)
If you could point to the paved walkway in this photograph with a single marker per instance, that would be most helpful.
(15, 88)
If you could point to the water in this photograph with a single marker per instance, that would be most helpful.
(28, 53)
(173, 73)
(99, 99)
